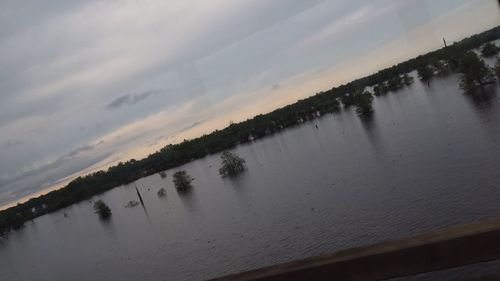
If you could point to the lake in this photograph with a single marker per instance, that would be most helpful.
(429, 158)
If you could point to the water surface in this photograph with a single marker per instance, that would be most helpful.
(429, 158)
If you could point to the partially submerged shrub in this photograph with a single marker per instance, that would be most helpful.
(161, 192)
(232, 164)
(424, 71)
(182, 180)
(380, 89)
(132, 204)
(497, 69)
(102, 209)
(363, 103)
(163, 174)
(489, 49)
(475, 73)
(407, 79)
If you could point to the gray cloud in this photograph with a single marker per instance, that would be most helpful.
(44, 176)
(16, 110)
(129, 100)
(176, 132)
(37, 9)
(194, 124)
(80, 149)
(50, 173)
(10, 143)
(57, 163)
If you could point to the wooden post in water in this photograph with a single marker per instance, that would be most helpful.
(138, 194)
(142, 204)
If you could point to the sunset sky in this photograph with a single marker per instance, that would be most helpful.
(85, 84)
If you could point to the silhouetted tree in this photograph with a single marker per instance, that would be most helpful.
(474, 71)
(497, 69)
(161, 192)
(441, 68)
(232, 164)
(182, 180)
(363, 101)
(347, 100)
(395, 83)
(490, 49)
(380, 89)
(425, 72)
(102, 209)
(407, 79)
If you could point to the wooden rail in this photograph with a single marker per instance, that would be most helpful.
(437, 250)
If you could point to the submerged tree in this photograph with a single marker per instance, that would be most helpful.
(395, 83)
(3, 231)
(425, 72)
(161, 192)
(102, 209)
(182, 180)
(232, 164)
(475, 73)
(441, 67)
(380, 89)
(497, 69)
(347, 100)
(131, 204)
(489, 49)
(407, 79)
(364, 103)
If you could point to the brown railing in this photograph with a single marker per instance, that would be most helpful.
(438, 250)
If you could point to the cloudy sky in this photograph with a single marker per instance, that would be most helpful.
(84, 84)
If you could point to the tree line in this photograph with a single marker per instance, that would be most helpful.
(455, 58)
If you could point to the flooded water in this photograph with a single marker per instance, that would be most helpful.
(429, 158)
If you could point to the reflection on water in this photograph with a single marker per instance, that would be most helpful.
(108, 227)
(368, 122)
(486, 105)
(428, 158)
(483, 98)
(188, 199)
(370, 126)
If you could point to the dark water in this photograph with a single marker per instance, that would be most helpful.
(429, 158)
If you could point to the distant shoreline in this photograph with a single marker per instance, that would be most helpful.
(259, 126)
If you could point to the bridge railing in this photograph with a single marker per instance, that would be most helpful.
(437, 250)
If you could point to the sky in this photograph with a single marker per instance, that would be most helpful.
(86, 84)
